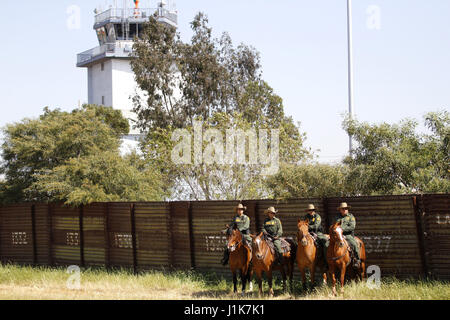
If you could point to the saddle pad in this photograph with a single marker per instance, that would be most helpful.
(285, 245)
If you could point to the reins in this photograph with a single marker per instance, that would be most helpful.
(343, 255)
(266, 251)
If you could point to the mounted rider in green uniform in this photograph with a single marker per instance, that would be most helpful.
(273, 228)
(348, 225)
(242, 223)
(315, 228)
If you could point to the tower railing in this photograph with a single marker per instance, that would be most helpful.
(120, 13)
(120, 48)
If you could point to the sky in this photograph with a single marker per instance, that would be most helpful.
(401, 57)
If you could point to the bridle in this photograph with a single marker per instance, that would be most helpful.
(234, 246)
(265, 252)
(305, 236)
(345, 251)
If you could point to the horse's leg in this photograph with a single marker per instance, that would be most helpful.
(249, 279)
(303, 272)
(324, 276)
(243, 279)
(291, 276)
(313, 274)
(269, 280)
(283, 275)
(343, 270)
(333, 280)
(259, 276)
(234, 281)
(363, 271)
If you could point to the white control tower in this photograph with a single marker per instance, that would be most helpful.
(110, 78)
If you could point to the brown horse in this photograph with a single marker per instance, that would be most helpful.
(308, 254)
(264, 261)
(240, 258)
(338, 256)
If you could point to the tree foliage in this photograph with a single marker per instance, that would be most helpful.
(310, 180)
(217, 180)
(104, 177)
(64, 146)
(397, 159)
(213, 81)
(181, 81)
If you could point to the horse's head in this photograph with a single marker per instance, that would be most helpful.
(336, 234)
(234, 238)
(302, 231)
(257, 245)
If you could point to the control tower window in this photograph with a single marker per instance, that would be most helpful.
(133, 31)
(111, 33)
(101, 34)
(119, 32)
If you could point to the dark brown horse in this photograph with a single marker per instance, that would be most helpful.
(240, 258)
(338, 256)
(264, 261)
(308, 254)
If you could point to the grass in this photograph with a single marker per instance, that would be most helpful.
(42, 283)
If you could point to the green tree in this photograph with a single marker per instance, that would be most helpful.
(391, 159)
(221, 181)
(103, 177)
(181, 81)
(55, 145)
(211, 80)
(310, 180)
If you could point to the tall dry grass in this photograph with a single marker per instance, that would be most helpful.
(42, 283)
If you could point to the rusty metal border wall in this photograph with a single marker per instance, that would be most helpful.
(407, 236)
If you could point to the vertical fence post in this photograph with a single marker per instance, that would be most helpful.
(33, 233)
(191, 236)
(106, 236)
(326, 214)
(133, 237)
(1, 231)
(81, 235)
(170, 227)
(420, 235)
(50, 233)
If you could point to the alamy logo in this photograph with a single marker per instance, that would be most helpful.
(210, 147)
(74, 18)
(374, 17)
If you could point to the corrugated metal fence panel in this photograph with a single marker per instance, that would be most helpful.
(152, 232)
(387, 226)
(94, 234)
(437, 228)
(392, 228)
(208, 220)
(16, 241)
(66, 235)
(120, 236)
(181, 243)
(42, 234)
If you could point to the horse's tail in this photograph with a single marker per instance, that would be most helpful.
(293, 245)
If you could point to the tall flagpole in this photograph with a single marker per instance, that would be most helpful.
(350, 67)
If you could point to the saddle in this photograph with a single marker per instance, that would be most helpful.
(315, 238)
(286, 245)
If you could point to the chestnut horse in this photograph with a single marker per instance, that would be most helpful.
(308, 254)
(240, 259)
(264, 261)
(338, 256)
